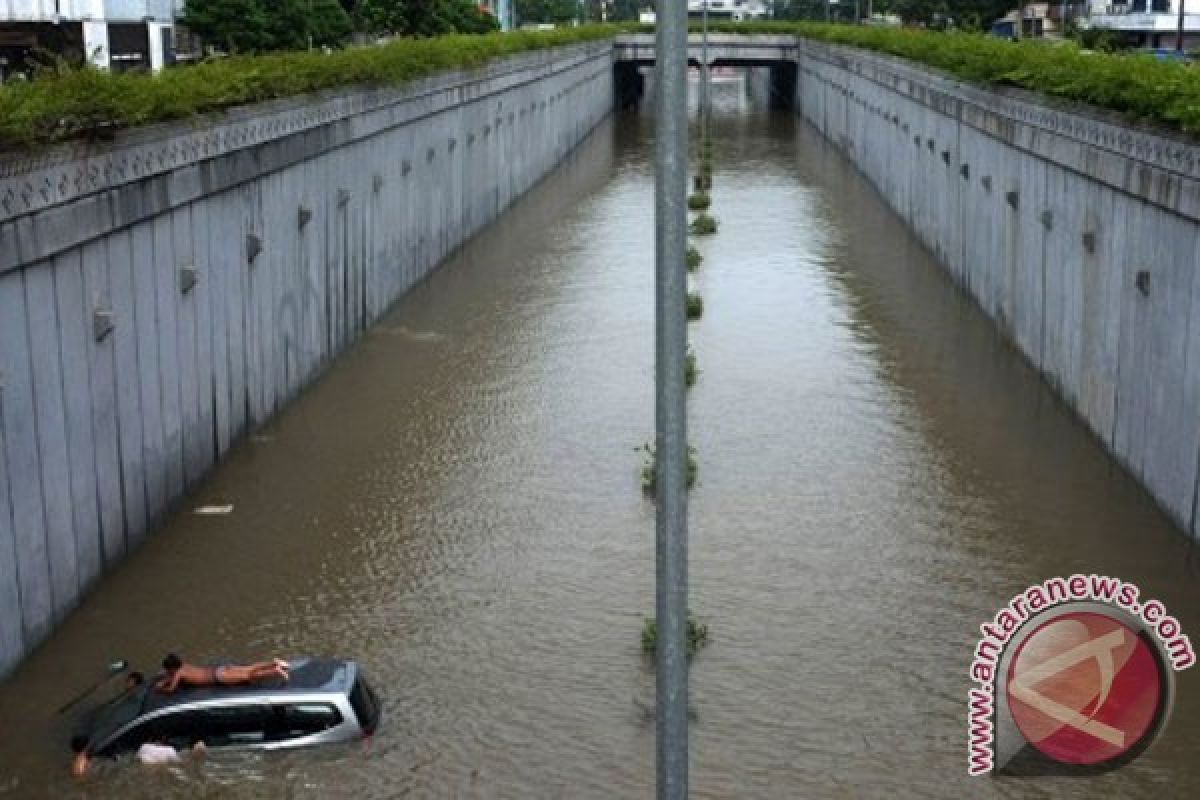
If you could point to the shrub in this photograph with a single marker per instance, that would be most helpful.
(1136, 84)
(693, 258)
(66, 102)
(704, 225)
(689, 369)
(695, 305)
(697, 635)
(699, 201)
(650, 467)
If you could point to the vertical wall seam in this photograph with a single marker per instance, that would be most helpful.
(37, 441)
(91, 344)
(12, 516)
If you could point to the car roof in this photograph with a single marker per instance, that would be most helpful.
(305, 675)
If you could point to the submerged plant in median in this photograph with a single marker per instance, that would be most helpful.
(650, 467)
(704, 225)
(697, 635)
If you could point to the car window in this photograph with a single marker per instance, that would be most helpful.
(232, 725)
(303, 719)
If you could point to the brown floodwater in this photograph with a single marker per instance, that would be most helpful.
(456, 504)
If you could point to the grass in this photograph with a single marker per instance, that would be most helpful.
(1164, 93)
(690, 373)
(697, 635)
(699, 201)
(695, 305)
(693, 258)
(67, 103)
(704, 225)
(650, 467)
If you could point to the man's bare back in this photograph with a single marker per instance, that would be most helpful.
(183, 674)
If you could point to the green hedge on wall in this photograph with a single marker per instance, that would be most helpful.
(1163, 92)
(71, 103)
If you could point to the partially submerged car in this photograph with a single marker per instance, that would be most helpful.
(323, 701)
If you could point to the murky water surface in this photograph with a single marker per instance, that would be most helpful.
(456, 504)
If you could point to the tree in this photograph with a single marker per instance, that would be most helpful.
(624, 10)
(234, 25)
(260, 25)
(554, 12)
(424, 17)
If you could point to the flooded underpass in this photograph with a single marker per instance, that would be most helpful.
(456, 504)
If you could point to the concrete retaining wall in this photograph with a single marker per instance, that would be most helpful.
(1075, 232)
(165, 293)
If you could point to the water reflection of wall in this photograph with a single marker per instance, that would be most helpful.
(1075, 233)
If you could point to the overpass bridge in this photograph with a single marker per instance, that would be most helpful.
(633, 52)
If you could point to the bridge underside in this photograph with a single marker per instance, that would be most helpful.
(629, 79)
(776, 53)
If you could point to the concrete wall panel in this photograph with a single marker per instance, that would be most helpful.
(22, 461)
(49, 419)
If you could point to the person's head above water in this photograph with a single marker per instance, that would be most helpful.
(134, 680)
(79, 744)
(172, 662)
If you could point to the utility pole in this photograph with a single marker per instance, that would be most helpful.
(704, 89)
(1179, 30)
(670, 412)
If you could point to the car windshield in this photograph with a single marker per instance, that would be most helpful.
(114, 715)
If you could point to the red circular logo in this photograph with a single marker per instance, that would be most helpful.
(1084, 688)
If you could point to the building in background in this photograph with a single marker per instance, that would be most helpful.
(1041, 20)
(111, 34)
(502, 10)
(1151, 24)
(724, 10)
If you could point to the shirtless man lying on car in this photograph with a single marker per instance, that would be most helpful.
(181, 674)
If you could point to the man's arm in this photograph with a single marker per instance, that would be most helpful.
(168, 683)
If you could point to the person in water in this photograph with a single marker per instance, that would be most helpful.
(183, 674)
(80, 746)
(159, 752)
(156, 752)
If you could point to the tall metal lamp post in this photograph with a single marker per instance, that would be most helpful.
(670, 190)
